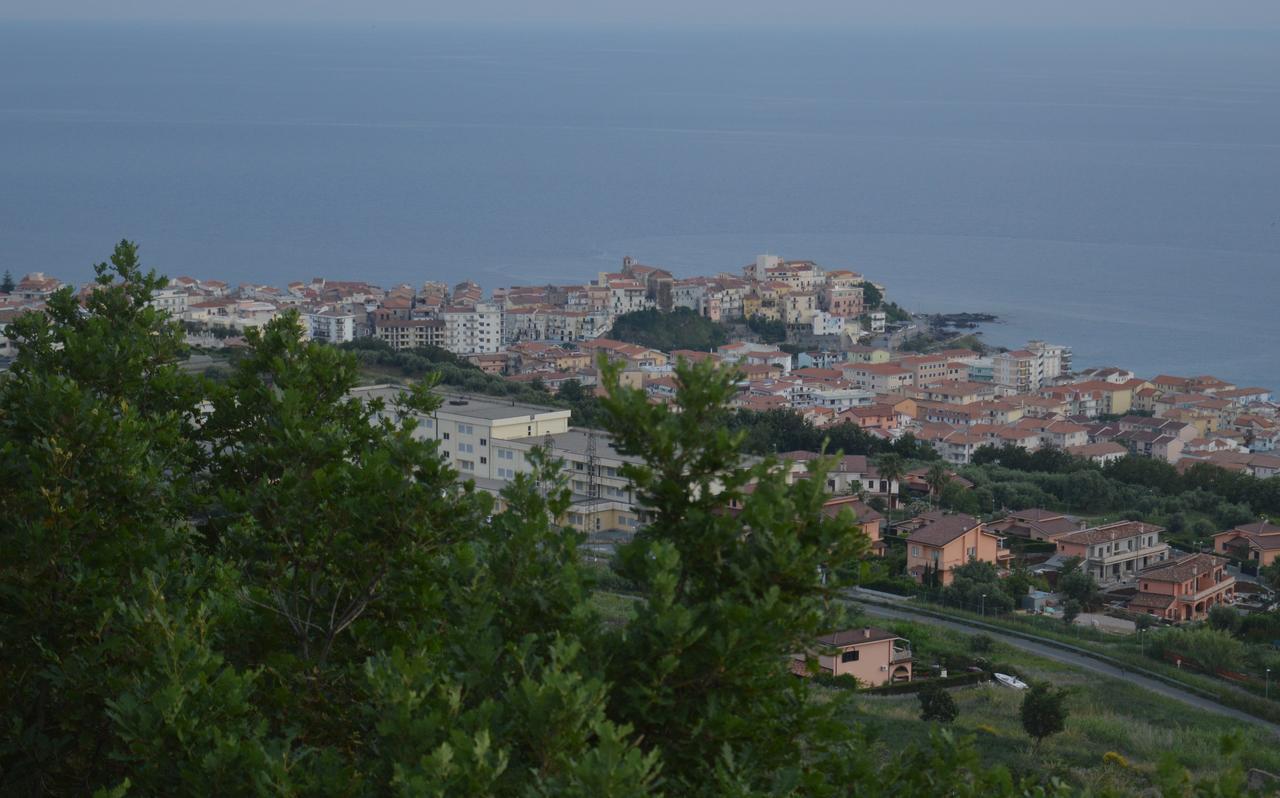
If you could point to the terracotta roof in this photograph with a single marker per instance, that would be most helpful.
(1109, 532)
(862, 512)
(1151, 601)
(942, 529)
(854, 637)
(1182, 569)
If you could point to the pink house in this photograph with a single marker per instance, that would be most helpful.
(863, 515)
(1184, 589)
(872, 656)
(943, 542)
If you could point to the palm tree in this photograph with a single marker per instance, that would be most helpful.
(937, 478)
(891, 469)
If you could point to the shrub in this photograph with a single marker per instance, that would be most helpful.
(1224, 619)
(937, 704)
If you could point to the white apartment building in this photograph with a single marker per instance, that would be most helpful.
(488, 440)
(1028, 370)
(171, 300)
(827, 324)
(472, 330)
(333, 326)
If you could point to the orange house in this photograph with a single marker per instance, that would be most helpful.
(868, 519)
(1258, 542)
(1184, 589)
(872, 656)
(944, 542)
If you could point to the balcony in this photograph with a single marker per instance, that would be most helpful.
(900, 655)
(1213, 589)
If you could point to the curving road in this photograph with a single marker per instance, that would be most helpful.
(1076, 660)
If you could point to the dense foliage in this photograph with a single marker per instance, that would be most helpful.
(681, 328)
(1193, 504)
(770, 331)
(784, 430)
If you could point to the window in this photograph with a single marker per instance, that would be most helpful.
(484, 460)
(484, 442)
(849, 656)
(466, 429)
(506, 473)
(465, 448)
(915, 551)
(444, 435)
(506, 454)
(973, 552)
(466, 465)
(428, 423)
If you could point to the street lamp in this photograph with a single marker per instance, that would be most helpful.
(1267, 692)
(983, 606)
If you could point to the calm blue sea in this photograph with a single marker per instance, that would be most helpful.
(1119, 192)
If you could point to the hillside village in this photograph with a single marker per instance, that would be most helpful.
(842, 364)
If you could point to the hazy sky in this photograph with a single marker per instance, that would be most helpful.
(963, 13)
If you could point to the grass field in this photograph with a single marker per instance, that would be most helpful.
(1115, 737)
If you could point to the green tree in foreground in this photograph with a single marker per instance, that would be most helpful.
(937, 704)
(1044, 712)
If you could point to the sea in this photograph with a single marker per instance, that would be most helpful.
(1117, 191)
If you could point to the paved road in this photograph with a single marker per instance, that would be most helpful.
(1078, 661)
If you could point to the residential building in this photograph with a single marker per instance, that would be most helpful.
(411, 333)
(1035, 524)
(1116, 552)
(472, 329)
(1101, 453)
(852, 474)
(332, 326)
(872, 656)
(1184, 589)
(943, 542)
(171, 299)
(878, 377)
(1258, 543)
(868, 520)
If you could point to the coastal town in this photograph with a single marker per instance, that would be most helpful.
(972, 501)
(836, 357)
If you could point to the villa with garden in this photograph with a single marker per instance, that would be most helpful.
(1184, 589)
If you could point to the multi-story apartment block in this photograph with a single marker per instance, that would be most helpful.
(490, 441)
(172, 300)
(411, 333)
(1019, 371)
(472, 330)
(1028, 370)
(334, 326)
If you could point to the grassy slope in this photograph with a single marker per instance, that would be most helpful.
(1106, 715)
